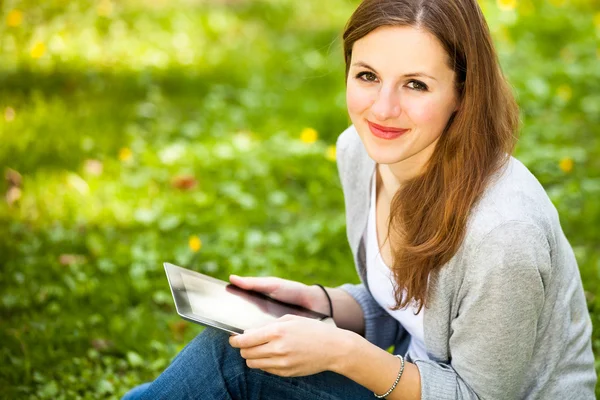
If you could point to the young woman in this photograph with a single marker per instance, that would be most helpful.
(463, 263)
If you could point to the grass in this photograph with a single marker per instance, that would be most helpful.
(134, 133)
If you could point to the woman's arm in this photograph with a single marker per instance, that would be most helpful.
(296, 346)
(376, 369)
(346, 311)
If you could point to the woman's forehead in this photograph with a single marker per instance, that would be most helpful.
(399, 50)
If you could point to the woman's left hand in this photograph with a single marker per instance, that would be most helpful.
(292, 346)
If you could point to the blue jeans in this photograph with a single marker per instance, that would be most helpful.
(209, 368)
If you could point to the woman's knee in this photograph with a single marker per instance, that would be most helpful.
(137, 392)
(212, 343)
(209, 353)
(203, 369)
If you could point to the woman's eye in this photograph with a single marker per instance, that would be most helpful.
(417, 85)
(366, 76)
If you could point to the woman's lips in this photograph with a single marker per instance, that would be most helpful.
(385, 132)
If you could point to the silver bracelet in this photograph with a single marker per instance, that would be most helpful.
(395, 383)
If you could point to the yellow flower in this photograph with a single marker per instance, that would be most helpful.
(330, 153)
(14, 18)
(125, 154)
(566, 164)
(195, 243)
(507, 5)
(564, 92)
(38, 50)
(309, 135)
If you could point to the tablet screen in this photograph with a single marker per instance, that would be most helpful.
(210, 299)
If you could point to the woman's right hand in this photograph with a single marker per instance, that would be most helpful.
(284, 290)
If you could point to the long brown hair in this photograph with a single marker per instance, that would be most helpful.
(429, 213)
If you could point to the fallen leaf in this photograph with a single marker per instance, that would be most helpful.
(71, 259)
(9, 114)
(178, 328)
(13, 177)
(13, 195)
(101, 344)
(184, 182)
(93, 167)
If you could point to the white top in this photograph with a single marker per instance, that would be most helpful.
(382, 286)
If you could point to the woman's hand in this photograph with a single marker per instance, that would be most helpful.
(284, 290)
(293, 346)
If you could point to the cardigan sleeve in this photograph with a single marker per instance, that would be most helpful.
(494, 334)
(381, 328)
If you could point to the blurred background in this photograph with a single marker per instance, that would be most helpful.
(202, 132)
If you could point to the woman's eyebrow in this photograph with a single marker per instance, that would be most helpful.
(409, 75)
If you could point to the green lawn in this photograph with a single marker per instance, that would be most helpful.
(201, 132)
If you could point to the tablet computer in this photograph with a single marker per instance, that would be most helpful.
(212, 302)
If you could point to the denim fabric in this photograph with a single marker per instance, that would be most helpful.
(208, 368)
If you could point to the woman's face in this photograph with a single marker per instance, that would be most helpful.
(400, 94)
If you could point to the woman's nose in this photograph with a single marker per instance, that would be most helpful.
(386, 104)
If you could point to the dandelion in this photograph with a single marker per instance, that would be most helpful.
(125, 154)
(38, 50)
(564, 92)
(14, 18)
(309, 135)
(507, 5)
(330, 153)
(566, 165)
(9, 114)
(195, 243)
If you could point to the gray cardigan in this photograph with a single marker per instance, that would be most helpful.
(507, 317)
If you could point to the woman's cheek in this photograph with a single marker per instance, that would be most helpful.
(421, 112)
(358, 99)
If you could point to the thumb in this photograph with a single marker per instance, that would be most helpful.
(287, 317)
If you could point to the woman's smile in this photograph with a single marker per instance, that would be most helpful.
(385, 132)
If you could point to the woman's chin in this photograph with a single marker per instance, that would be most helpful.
(383, 156)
